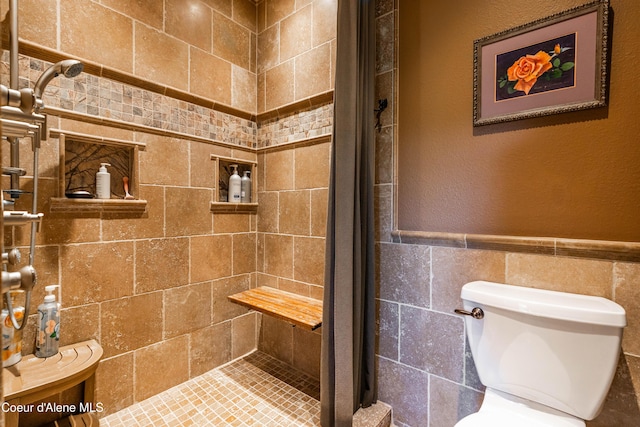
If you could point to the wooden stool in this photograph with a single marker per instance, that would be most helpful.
(34, 378)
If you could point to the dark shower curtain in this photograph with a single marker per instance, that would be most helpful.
(348, 378)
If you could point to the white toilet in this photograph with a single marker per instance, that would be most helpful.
(546, 358)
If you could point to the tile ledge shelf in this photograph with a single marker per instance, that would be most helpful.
(581, 248)
(108, 206)
(226, 207)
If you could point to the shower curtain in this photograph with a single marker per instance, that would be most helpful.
(348, 378)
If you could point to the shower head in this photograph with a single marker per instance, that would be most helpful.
(68, 68)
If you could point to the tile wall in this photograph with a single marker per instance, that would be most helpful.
(296, 51)
(152, 290)
(291, 229)
(425, 368)
(211, 44)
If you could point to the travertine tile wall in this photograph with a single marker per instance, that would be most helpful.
(426, 371)
(207, 48)
(153, 290)
(296, 51)
(292, 216)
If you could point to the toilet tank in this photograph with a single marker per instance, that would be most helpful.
(554, 348)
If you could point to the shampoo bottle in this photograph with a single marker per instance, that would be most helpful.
(245, 196)
(48, 324)
(235, 186)
(11, 337)
(103, 182)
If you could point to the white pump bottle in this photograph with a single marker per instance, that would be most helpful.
(235, 186)
(103, 182)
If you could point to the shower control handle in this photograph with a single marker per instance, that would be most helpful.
(24, 279)
(12, 257)
(476, 312)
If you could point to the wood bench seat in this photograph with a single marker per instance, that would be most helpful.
(34, 378)
(293, 308)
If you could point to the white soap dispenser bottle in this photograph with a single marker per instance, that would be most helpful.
(103, 182)
(246, 188)
(235, 186)
(48, 324)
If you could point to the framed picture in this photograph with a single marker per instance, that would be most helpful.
(553, 65)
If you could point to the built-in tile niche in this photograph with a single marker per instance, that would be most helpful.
(223, 170)
(80, 158)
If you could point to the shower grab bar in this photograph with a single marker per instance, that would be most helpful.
(17, 129)
(17, 114)
(22, 218)
(13, 171)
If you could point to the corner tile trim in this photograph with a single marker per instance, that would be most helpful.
(580, 248)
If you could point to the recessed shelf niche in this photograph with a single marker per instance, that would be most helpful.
(80, 158)
(222, 168)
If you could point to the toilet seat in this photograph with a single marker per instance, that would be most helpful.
(504, 410)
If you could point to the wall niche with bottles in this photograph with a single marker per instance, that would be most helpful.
(81, 156)
(227, 200)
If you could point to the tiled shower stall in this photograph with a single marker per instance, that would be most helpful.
(253, 81)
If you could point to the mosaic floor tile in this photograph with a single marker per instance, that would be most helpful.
(256, 390)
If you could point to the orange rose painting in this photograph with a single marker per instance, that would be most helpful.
(534, 69)
(526, 70)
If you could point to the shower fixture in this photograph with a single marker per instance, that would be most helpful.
(21, 117)
(68, 68)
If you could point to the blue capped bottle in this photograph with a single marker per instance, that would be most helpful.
(48, 324)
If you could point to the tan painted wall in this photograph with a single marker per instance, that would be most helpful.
(573, 175)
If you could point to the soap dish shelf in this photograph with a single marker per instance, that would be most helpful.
(226, 207)
(109, 206)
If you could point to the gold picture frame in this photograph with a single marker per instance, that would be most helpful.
(553, 65)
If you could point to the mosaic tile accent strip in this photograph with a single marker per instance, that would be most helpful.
(299, 126)
(102, 97)
(256, 390)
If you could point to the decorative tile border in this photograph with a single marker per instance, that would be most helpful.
(102, 97)
(596, 249)
(111, 94)
(298, 126)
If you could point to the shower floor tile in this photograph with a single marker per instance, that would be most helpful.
(256, 390)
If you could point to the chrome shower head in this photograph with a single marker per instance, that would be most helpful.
(68, 68)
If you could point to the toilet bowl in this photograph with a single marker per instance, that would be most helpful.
(547, 358)
(503, 410)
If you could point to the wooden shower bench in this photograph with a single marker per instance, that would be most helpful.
(33, 378)
(293, 308)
